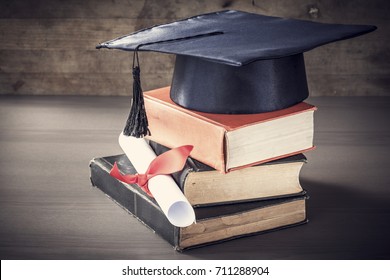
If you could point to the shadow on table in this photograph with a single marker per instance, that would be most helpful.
(343, 224)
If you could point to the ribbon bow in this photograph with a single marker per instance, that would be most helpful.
(167, 163)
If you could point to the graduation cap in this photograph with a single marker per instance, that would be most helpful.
(231, 62)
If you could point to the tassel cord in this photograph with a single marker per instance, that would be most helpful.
(137, 122)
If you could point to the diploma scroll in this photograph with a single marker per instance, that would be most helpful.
(163, 188)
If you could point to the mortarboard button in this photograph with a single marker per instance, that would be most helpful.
(234, 62)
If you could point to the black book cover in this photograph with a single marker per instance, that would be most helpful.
(146, 210)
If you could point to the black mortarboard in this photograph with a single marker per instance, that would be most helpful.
(234, 62)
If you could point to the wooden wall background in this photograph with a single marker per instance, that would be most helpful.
(48, 46)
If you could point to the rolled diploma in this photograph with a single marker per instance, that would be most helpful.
(163, 188)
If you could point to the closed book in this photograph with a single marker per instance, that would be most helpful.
(228, 142)
(213, 223)
(203, 185)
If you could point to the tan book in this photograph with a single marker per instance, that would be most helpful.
(203, 185)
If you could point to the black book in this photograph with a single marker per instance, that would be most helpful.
(213, 223)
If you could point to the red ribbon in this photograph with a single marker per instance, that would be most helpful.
(167, 163)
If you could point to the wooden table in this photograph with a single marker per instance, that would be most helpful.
(49, 210)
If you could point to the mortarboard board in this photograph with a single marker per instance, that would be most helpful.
(233, 62)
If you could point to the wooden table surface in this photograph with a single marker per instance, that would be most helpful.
(49, 210)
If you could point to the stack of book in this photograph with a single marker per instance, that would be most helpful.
(242, 177)
(243, 174)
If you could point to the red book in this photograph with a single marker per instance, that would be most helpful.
(228, 142)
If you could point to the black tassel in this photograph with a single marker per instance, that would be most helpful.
(137, 122)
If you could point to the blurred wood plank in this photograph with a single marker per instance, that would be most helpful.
(82, 61)
(79, 34)
(77, 83)
(59, 37)
(165, 9)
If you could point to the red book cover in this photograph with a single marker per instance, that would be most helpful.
(172, 125)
